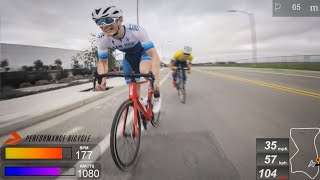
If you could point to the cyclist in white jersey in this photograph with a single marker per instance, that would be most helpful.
(140, 54)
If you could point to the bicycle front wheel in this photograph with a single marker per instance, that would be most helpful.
(124, 143)
(181, 87)
(182, 93)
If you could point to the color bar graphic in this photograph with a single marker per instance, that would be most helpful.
(283, 177)
(36, 153)
(32, 171)
(39, 171)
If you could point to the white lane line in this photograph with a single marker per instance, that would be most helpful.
(165, 78)
(315, 146)
(267, 72)
(74, 130)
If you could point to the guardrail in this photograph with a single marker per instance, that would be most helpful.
(283, 59)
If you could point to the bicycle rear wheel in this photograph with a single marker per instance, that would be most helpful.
(122, 133)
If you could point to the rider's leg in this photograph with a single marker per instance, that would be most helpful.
(127, 68)
(145, 68)
(184, 64)
(174, 74)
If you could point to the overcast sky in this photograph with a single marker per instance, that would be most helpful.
(213, 33)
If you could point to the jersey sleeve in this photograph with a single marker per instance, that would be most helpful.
(142, 36)
(190, 58)
(102, 46)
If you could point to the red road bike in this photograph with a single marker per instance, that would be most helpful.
(126, 126)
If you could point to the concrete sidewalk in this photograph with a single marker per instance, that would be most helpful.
(20, 112)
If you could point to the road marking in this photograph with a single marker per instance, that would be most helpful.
(315, 146)
(165, 78)
(74, 130)
(274, 86)
(268, 72)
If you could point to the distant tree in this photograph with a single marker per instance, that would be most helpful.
(24, 68)
(76, 64)
(111, 60)
(58, 63)
(45, 67)
(38, 65)
(4, 65)
(27, 68)
(89, 56)
(52, 67)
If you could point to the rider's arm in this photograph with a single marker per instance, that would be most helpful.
(102, 67)
(171, 64)
(149, 48)
(102, 48)
(155, 62)
(189, 65)
(174, 58)
(190, 62)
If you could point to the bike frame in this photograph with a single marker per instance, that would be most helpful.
(137, 105)
(181, 69)
(134, 96)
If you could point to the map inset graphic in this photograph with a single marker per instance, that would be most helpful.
(306, 158)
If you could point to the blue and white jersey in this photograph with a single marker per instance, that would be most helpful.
(134, 42)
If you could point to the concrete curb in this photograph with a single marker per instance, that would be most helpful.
(23, 122)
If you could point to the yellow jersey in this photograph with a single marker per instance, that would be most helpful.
(179, 55)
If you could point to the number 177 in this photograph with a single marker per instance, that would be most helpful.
(84, 154)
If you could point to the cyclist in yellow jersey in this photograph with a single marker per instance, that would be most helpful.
(181, 57)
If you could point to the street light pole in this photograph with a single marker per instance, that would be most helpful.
(253, 33)
(137, 12)
(253, 38)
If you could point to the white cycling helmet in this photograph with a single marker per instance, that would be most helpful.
(111, 11)
(187, 49)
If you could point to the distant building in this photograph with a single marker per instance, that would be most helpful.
(24, 55)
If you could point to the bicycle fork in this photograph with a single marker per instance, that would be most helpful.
(133, 96)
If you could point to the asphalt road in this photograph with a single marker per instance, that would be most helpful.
(213, 135)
